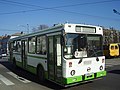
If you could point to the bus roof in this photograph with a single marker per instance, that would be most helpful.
(70, 28)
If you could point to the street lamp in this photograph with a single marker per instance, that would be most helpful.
(25, 26)
(115, 11)
(28, 28)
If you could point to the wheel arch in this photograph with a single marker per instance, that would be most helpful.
(40, 66)
(40, 72)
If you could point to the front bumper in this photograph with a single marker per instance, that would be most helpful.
(82, 78)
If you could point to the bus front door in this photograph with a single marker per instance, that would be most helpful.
(24, 53)
(54, 59)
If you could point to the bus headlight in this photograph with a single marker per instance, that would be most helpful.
(101, 67)
(97, 59)
(72, 72)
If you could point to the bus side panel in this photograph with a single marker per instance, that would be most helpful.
(17, 58)
(33, 61)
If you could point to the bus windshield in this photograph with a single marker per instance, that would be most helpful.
(82, 45)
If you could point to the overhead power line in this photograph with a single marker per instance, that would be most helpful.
(71, 5)
(71, 12)
(53, 8)
(94, 16)
(56, 8)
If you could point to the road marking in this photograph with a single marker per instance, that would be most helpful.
(5, 80)
(19, 78)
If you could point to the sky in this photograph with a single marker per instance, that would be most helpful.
(19, 15)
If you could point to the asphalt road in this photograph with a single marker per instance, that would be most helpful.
(19, 79)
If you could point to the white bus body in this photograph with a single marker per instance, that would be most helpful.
(66, 54)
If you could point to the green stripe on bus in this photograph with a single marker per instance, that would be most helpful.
(37, 57)
(19, 63)
(72, 79)
(82, 78)
(32, 69)
(101, 74)
(33, 56)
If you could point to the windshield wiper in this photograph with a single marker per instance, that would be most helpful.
(91, 48)
(95, 53)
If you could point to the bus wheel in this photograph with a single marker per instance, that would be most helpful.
(41, 74)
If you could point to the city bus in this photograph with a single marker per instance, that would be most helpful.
(66, 54)
(111, 50)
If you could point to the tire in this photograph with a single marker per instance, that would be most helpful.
(41, 74)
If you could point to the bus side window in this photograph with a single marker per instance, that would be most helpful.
(41, 45)
(19, 46)
(31, 45)
(14, 46)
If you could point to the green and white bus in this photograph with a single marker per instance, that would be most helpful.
(66, 54)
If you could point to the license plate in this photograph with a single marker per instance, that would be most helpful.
(88, 74)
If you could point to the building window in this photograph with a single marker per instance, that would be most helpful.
(41, 45)
(31, 48)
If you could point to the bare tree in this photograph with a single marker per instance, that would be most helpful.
(40, 27)
(34, 30)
